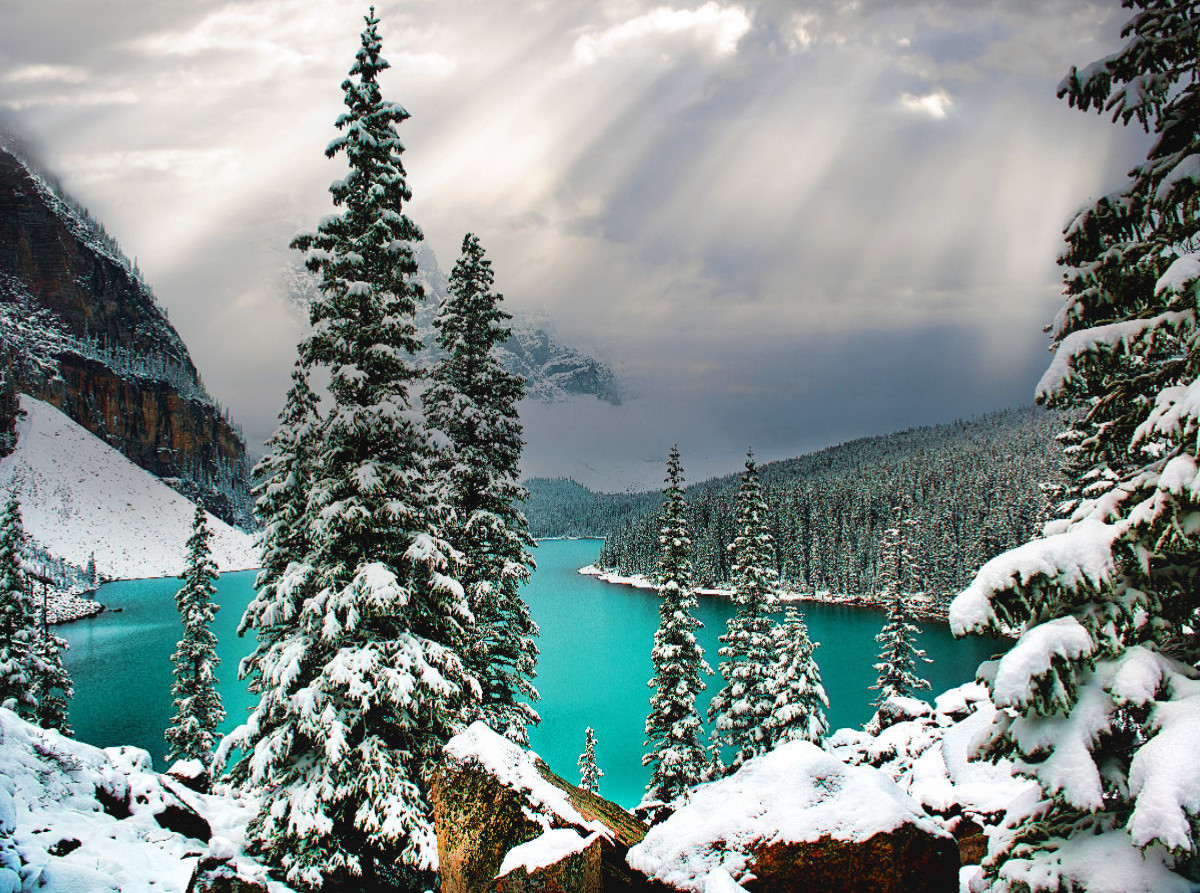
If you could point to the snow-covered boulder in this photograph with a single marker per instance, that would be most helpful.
(77, 819)
(799, 819)
(490, 797)
(897, 709)
(560, 859)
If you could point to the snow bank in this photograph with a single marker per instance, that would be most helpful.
(57, 813)
(795, 793)
(81, 497)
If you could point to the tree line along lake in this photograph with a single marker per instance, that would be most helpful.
(595, 662)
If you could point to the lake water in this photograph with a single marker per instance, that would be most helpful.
(595, 661)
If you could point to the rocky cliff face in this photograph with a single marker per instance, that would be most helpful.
(97, 346)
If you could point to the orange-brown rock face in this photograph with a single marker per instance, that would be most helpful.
(104, 352)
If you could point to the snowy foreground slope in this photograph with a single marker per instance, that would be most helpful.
(81, 497)
(77, 819)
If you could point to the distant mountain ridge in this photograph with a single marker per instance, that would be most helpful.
(94, 343)
(552, 370)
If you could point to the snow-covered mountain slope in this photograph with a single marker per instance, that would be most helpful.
(81, 497)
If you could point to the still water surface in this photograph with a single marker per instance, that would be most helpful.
(595, 661)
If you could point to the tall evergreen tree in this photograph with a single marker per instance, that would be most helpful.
(198, 711)
(898, 655)
(589, 772)
(676, 755)
(1099, 697)
(473, 401)
(18, 618)
(799, 701)
(363, 685)
(740, 709)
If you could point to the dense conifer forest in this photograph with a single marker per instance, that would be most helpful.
(974, 489)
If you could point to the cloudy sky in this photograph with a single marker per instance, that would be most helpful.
(784, 223)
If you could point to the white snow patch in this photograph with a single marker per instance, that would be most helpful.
(81, 497)
(550, 847)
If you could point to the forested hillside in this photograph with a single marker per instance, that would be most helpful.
(563, 507)
(974, 489)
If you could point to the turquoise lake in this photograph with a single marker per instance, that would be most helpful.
(595, 661)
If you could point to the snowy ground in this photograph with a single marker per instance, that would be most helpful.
(77, 819)
(80, 497)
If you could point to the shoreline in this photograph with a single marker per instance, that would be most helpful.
(923, 613)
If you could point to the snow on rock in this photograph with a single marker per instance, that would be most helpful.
(490, 797)
(517, 769)
(796, 793)
(541, 852)
(84, 819)
(80, 497)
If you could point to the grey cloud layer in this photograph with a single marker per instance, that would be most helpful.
(704, 191)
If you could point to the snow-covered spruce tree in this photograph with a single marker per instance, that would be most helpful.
(676, 754)
(799, 701)
(899, 655)
(52, 687)
(740, 709)
(363, 684)
(284, 479)
(18, 618)
(589, 772)
(1099, 699)
(198, 711)
(473, 401)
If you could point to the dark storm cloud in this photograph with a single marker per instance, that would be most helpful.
(787, 224)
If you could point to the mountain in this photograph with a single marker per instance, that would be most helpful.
(80, 499)
(92, 341)
(552, 370)
(974, 488)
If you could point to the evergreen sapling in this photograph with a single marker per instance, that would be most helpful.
(589, 772)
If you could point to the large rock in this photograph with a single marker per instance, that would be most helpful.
(799, 819)
(490, 796)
